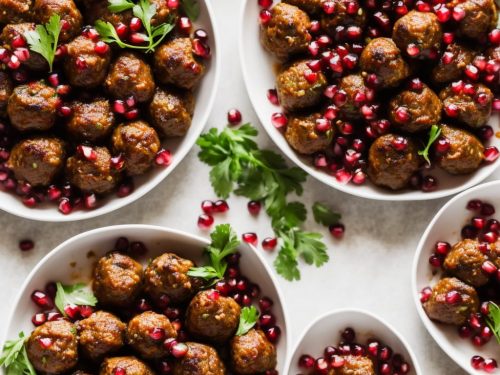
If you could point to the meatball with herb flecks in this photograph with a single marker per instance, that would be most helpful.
(357, 94)
(71, 17)
(480, 16)
(6, 88)
(252, 353)
(302, 135)
(91, 120)
(15, 11)
(343, 16)
(310, 6)
(171, 111)
(464, 261)
(356, 365)
(130, 366)
(11, 32)
(452, 64)
(199, 360)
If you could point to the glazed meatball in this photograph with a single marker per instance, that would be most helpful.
(66, 9)
(383, 58)
(53, 347)
(302, 135)
(356, 365)
(12, 31)
(175, 64)
(342, 17)
(415, 110)
(37, 160)
(130, 366)
(92, 175)
(100, 335)
(90, 121)
(465, 153)
(118, 280)
(171, 111)
(287, 32)
(352, 85)
(452, 64)
(140, 334)
(33, 107)
(212, 317)
(480, 17)
(310, 6)
(421, 29)
(464, 261)
(473, 110)
(167, 275)
(138, 143)
(130, 75)
(252, 353)
(199, 360)
(6, 88)
(295, 92)
(15, 11)
(389, 164)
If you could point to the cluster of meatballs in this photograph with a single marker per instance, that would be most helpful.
(105, 343)
(100, 117)
(363, 81)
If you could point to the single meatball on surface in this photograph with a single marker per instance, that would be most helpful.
(287, 32)
(53, 347)
(12, 31)
(33, 107)
(352, 85)
(91, 121)
(356, 365)
(118, 280)
(390, 164)
(383, 58)
(342, 17)
(414, 111)
(456, 310)
(100, 335)
(130, 75)
(199, 360)
(252, 353)
(6, 88)
(212, 317)
(310, 6)
(480, 17)
(421, 29)
(175, 64)
(302, 136)
(141, 334)
(15, 11)
(171, 111)
(37, 160)
(130, 365)
(464, 261)
(452, 64)
(465, 153)
(66, 9)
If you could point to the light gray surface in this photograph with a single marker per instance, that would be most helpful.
(370, 268)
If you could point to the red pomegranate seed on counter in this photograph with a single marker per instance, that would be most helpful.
(337, 230)
(26, 245)
(205, 221)
(250, 238)
(221, 206)
(234, 116)
(269, 243)
(207, 207)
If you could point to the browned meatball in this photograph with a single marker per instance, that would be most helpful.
(352, 85)
(37, 160)
(493, 253)
(356, 365)
(130, 366)
(465, 153)
(6, 88)
(199, 360)
(175, 64)
(464, 261)
(480, 17)
(15, 11)
(91, 120)
(451, 66)
(287, 33)
(53, 347)
(118, 280)
(421, 29)
(130, 75)
(310, 6)
(171, 111)
(212, 317)
(302, 135)
(147, 332)
(341, 17)
(252, 353)
(33, 107)
(383, 58)
(391, 165)
(100, 335)
(66, 9)
(12, 31)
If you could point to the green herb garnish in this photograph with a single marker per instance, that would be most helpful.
(191, 8)
(325, 215)
(44, 39)
(76, 294)
(493, 319)
(15, 358)
(248, 319)
(434, 134)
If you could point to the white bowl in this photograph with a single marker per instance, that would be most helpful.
(259, 71)
(70, 263)
(204, 95)
(326, 330)
(446, 226)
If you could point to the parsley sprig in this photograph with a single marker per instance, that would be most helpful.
(44, 39)
(434, 134)
(248, 319)
(15, 358)
(325, 215)
(493, 319)
(76, 294)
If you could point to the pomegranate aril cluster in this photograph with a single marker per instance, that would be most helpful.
(209, 208)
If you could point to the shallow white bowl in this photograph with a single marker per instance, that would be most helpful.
(204, 95)
(446, 226)
(259, 71)
(326, 330)
(70, 263)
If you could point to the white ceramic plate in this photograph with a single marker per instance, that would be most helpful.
(446, 226)
(326, 331)
(204, 95)
(259, 71)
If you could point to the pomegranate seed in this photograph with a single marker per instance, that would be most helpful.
(279, 120)
(385, 368)
(132, 114)
(254, 207)
(337, 230)
(447, 58)
(265, 304)
(205, 221)
(453, 297)
(359, 177)
(349, 335)
(250, 238)
(22, 54)
(221, 206)
(14, 62)
(272, 96)
(135, 24)
(81, 63)
(442, 248)
(487, 209)
(26, 245)
(65, 111)
(485, 308)
(491, 154)
(451, 110)
(448, 38)
(385, 353)
(39, 319)
(117, 162)
(90, 201)
(269, 243)
(469, 231)
(54, 79)
(478, 341)
(119, 371)
(65, 206)
(273, 334)
(322, 125)
(464, 332)
(137, 38)
(101, 48)
(53, 316)
(179, 350)
(234, 116)
(494, 36)
(313, 48)
(402, 114)
(489, 267)
(478, 222)
(320, 161)
(207, 207)
(265, 16)
(266, 320)
(482, 99)
(265, 3)
(173, 4)
(72, 311)
(458, 13)
(143, 305)
(412, 50)
(87, 152)
(477, 362)
(86, 311)
(163, 158)
(45, 342)
(486, 333)
(315, 26)
(486, 132)
(157, 334)
(490, 365)
(425, 294)
(41, 299)
(472, 72)
(323, 40)
(200, 49)
(306, 361)
(354, 32)
(496, 104)
(416, 84)
(337, 361)
(373, 348)
(185, 25)
(121, 30)
(442, 145)
(329, 7)
(18, 41)
(400, 143)
(443, 13)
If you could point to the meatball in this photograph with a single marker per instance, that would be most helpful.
(130, 365)
(53, 347)
(352, 85)
(6, 88)
(141, 334)
(212, 317)
(295, 92)
(390, 164)
(130, 75)
(302, 136)
(421, 29)
(90, 121)
(93, 175)
(118, 280)
(451, 66)
(383, 58)
(100, 335)
(356, 365)
(175, 64)
(422, 109)
(171, 111)
(252, 353)
(480, 17)
(310, 6)
(33, 107)
(167, 275)
(66, 9)
(199, 360)
(464, 261)
(37, 160)
(342, 17)
(473, 110)
(287, 32)
(15, 11)
(12, 31)
(465, 153)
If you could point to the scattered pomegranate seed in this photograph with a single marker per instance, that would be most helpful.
(101, 48)
(163, 158)
(14, 62)
(207, 207)
(87, 152)
(135, 24)
(273, 334)
(425, 294)
(269, 243)
(119, 371)
(221, 206)
(72, 311)
(435, 261)
(45, 342)
(157, 334)
(250, 238)
(23, 54)
(179, 350)
(402, 114)
(453, 297)
(491, 154)
(137, 38)
(234, 116)
(279, 120)
(205, 221)
(65, 206)
(39, 319)
(400, 144)
(306, 361)
(272, 96)
(490, 365)
(337, 361)
(448, 38)
(443, 13)
(26, 245)
(132, 114)
(18, 41)
(412, 50)
(337, 230)
(442, 248)
(41, 299)
(265, 3)
(121, 30)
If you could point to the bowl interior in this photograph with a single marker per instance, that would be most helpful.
(259, 70)
(73, 262)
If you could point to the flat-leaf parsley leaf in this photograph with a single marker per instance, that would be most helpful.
(15, 358)
(76, 294)
(434, 134)
(248, 319)
(44, 39)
